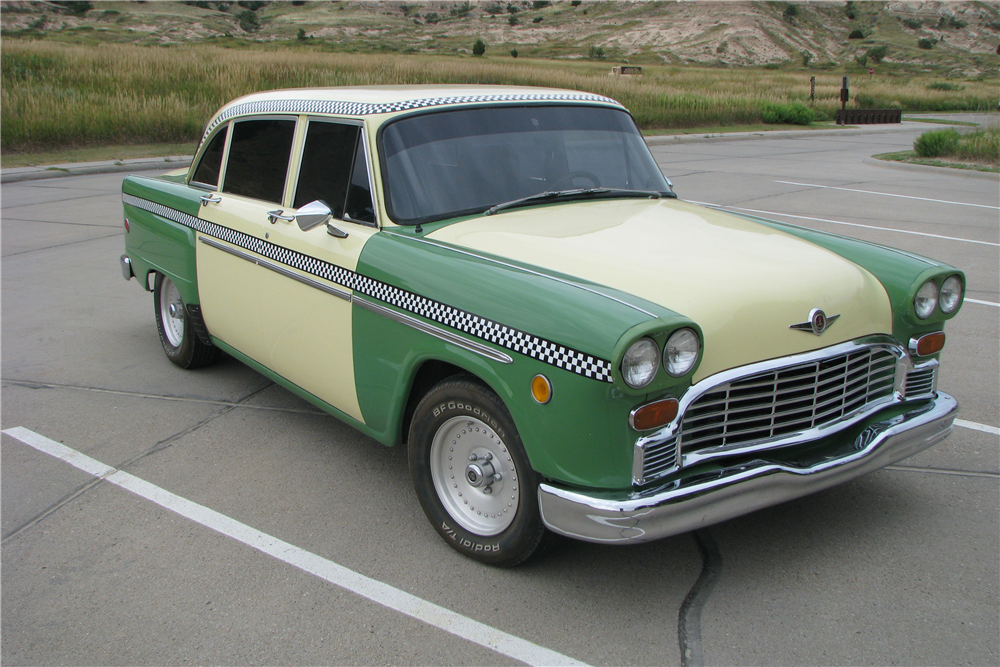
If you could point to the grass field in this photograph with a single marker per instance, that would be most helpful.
(65, 96)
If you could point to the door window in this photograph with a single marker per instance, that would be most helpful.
(334, 170)
(258, 158)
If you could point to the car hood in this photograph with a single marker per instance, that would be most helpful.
(743, 283)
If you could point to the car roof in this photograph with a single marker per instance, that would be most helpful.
(375, 100)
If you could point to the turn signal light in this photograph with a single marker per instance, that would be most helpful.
(541, 389)
(927, 345)
(653, 415)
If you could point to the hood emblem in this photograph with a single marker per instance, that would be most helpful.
(818, 322)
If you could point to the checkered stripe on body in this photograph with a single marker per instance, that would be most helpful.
(365, 109)
(512, 339)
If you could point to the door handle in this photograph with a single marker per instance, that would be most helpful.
(275, 215)
(209, 199)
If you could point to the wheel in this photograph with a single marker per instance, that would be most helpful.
(472, 477)
(568, 179)
(180, 343)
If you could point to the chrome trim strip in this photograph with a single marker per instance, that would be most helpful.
(346, 296)
(437, 332)
(525, 270)
(704, 499)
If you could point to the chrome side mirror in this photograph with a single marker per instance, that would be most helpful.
(312, 214)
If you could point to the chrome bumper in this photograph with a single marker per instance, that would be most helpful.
(702, 500)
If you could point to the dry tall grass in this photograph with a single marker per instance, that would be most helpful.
(61, 95)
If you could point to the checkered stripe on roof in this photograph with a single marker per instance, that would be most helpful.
(365, 109)
(509, 338)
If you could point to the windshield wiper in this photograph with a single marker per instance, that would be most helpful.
(580, 193)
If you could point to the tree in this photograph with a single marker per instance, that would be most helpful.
(479, 48)
(791, 11)
(302, 35)
(877, 53)
(513, 53)
(513, 20)
(596, 52)
(806, 57)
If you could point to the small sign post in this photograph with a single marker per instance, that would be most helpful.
(871, 71)
(845, 93)
(812, 89)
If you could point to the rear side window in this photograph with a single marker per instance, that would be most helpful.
(258, 158)
(208, 169)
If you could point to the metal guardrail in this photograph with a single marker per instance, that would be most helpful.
(868, 116)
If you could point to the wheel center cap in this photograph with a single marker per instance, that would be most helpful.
(480, 474)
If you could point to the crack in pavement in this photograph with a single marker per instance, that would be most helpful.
(62, 245)
(30, 384)
(156, 448)
(57, 222)
(689, 616)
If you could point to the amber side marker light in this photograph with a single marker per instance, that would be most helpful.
(927, 345)
(541, 389)
(653, 415)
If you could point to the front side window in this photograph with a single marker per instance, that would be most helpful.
(444, 164)
(334, 170)
(258, 158)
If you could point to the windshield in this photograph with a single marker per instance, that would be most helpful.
(450, 163)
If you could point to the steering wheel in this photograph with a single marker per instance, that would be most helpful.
(568, 179)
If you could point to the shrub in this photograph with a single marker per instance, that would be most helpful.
(981, 145)
(537, 19)
(462, 10)
(540, 4)
(936, 142)
(793, 113)
(479, 48)
(944, 85)
(791, 11)
(856, 34)
(927, 43)
(806, 57)
(512, 20)
(248, 20)
(302, 35)
(431, 17)
(513, 53)
(862, 59)
(877, 53)
(595, 52)
(511, 9)
(78, 8)
(576, 3)
(913, 24)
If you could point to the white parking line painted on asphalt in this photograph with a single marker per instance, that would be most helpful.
(982, 303)
(338, 575)
(840, 222)
(977, 427)
(888, 194)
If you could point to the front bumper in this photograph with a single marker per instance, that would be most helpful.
(702, 500)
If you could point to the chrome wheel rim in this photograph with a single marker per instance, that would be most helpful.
(474, 476)
(171, 312)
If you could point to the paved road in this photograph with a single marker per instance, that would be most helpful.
(897, 567)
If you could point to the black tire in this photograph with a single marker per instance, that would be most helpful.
(177, 336)
(449, 484)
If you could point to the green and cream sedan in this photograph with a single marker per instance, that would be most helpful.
(502, 279)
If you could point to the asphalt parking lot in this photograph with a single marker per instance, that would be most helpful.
(222, 520)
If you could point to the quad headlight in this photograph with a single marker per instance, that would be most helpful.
(680, 354)
(926, 300)
(640, 363)
(951, 295)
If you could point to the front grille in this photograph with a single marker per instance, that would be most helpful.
(772, 407)
(788, 400)
(920, 382)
